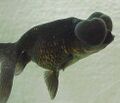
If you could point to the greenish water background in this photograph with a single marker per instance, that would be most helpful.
(95, 79)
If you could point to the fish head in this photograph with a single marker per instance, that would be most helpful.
(93, 34)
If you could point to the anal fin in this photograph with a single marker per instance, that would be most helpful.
(22, 61)
(51, 79)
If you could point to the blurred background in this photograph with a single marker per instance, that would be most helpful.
(95, 79)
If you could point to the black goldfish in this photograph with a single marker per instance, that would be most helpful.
(53, 46)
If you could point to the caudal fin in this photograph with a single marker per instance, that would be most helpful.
(7, 69)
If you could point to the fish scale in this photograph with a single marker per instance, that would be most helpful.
(53, 53)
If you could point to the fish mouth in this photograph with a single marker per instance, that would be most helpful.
(109, 38)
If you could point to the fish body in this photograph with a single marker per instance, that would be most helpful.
(50, 44)
(53, 46)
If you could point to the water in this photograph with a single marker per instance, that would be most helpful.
(95, 79)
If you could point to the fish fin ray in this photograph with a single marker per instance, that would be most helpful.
(22, 61)
(6, 79)
(51, 80)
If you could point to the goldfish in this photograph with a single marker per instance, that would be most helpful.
(53, 46)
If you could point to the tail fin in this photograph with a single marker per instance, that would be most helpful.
(8, 61)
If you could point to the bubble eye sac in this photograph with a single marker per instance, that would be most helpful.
(92, 32)
(104, 17)
(107, 21)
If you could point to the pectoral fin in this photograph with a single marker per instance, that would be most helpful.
(65, 62)
(51, 79)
